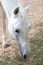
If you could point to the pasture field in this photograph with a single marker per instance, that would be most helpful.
(9, 56)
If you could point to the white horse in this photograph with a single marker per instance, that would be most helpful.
(18, 25)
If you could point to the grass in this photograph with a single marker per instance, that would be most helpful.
(36, 58)
(37, 45)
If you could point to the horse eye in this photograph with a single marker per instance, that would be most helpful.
(16, 11)
(17, 30)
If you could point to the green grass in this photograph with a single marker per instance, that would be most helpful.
(36, 41)
(37, 45)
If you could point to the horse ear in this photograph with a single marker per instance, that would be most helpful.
(28, 8)
(16, 11)
(19, 3)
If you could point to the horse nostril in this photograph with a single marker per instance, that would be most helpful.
(25, 57)
(17, 31)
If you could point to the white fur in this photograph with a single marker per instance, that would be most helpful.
(19, 21)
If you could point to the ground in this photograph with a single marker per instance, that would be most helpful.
(9, 56)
